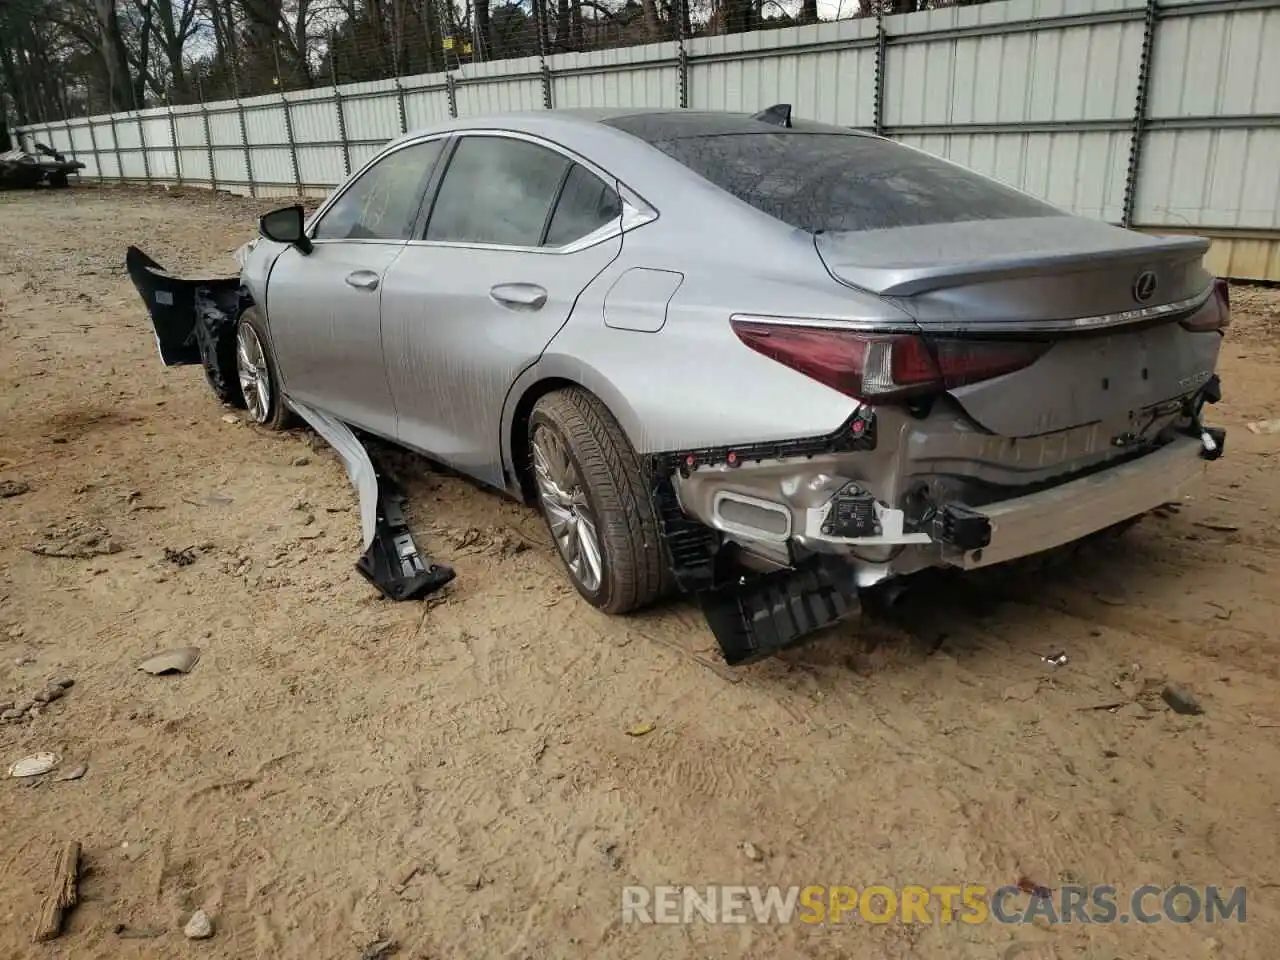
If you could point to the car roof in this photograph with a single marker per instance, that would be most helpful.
(647, 124)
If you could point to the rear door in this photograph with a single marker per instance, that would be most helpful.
(323, 307)
(517, 229)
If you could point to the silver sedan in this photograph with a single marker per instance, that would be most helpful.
(771, 362)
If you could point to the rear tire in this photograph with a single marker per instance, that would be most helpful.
(257, 378)
(594, 496)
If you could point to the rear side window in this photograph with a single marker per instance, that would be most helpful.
(586, 204)
(497, 190)
(382, 204)
(829, 182)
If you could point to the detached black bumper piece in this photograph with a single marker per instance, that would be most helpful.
(392, 562)
(762, 614)
(194, 320)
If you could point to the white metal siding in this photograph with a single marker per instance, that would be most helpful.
(1038, 93)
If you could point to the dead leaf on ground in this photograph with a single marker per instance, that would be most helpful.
(178, 660)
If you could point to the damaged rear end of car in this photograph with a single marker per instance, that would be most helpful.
(1044, 381)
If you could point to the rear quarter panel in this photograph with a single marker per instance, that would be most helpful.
(693, 383)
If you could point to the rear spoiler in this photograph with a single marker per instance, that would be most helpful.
(910, 279)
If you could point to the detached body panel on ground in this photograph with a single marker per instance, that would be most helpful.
(789, 361)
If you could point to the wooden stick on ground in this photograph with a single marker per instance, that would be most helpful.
(63, 895)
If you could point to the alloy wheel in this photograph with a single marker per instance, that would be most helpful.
(255, 375)
(568, 512)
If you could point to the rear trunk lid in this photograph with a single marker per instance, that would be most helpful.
(1107, 299)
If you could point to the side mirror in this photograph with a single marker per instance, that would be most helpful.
(286, 225)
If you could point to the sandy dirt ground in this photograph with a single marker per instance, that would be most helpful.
(459, 776)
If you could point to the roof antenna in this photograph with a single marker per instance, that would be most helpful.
(779, 115)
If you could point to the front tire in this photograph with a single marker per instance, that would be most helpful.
(257, 375)
(595, 499)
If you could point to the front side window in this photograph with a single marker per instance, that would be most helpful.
(383, 203)
(497, 190)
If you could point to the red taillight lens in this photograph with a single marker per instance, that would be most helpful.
(1216, 312)
(871, 367)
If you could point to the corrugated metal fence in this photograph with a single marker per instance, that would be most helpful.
(1161, 115)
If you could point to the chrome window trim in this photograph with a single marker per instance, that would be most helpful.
(1076, 324)
(636, 212)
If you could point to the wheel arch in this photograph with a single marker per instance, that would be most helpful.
(544, 377)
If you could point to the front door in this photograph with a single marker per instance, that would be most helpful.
(516, 232)
(323, 307)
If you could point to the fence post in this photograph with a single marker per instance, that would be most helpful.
(342, 132)
(248, 153)
(93, 141)
(293, 145)
(682, 59)
(71, 143)
(142, 143)
(208, 145)
(404, 118)
(1138, 128)
(115, 142)
(881, 63)
(544, 72)
(451, 88)
(173, 138)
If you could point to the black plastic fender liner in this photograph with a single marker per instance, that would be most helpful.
(194, 320)
(171, 302)
(391, 560)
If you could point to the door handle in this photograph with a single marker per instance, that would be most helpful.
(519, 296)
(363, 280)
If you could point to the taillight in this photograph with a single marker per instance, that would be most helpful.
(871, 367)
(1216, 312)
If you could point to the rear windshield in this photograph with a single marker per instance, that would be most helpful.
(828, 182)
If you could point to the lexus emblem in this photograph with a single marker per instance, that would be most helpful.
(1144, 286)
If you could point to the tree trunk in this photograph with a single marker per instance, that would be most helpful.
(112, 51)
(484, 31)
(653, 26)
(577, 33)
(563, 25)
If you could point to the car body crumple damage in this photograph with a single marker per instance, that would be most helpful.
(774, 363)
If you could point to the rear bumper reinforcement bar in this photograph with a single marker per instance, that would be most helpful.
(1041, 521)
